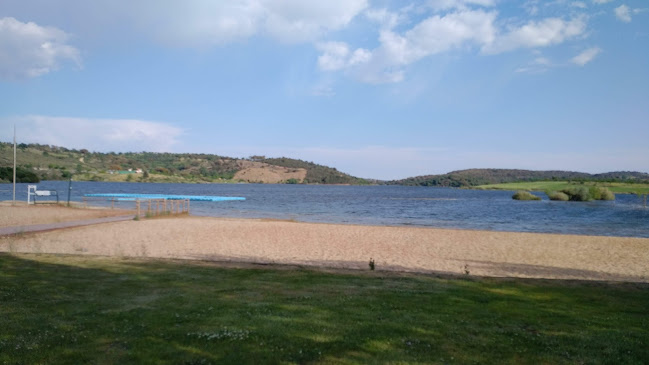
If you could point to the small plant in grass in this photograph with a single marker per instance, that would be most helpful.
(557, 195)
(136, 218)
(466, 269)
(524, 195)
(372, 265)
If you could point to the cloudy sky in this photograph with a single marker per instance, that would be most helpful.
(376, 88)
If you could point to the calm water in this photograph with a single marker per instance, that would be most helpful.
(389, 205)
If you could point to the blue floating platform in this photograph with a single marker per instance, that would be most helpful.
(206, 198)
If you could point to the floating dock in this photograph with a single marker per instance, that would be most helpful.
(206, 198)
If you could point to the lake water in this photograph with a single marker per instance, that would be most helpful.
(389, 205)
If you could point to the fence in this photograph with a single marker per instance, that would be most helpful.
(157, 207)
(144, 207)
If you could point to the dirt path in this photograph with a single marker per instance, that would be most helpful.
(7, 231)
(22, 214)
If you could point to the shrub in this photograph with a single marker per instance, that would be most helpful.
(584, 194)
(601, 193)
(608, 195)
(557, 195)
(578, 194)
(594, 192)
(524, 195)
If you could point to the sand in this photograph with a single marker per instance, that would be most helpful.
(429, 250)
(24, 215)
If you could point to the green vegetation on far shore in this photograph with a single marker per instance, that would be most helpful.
(80, 309)
(618, 188)
(478, 177)
(47, 162)
(22, 175)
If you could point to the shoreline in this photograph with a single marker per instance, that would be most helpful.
(411, 225)
(351, 246)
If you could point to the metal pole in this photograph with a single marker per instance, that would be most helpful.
(69, 189)
(14, 199)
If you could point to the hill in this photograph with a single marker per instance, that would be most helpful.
(57, 163)
(475, 177)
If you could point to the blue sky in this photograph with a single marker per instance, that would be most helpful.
(378, 89)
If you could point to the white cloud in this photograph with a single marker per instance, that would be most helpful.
(579, 4)
(459, 4)
(301, 21)
(547, 32)
(384, 17)
(433, 35)
(602, 1)
(531, 6)
(336, 56)
(196, 23)
(440, 34)
(94, 134)
(623, 13)
(461, 28)
(586, 56)
(538, 65)
(28, 50)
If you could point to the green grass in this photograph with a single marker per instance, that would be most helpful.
(619, 188)
(73, 310)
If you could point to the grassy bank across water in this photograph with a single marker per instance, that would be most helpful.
(75, 309)
(618, 188)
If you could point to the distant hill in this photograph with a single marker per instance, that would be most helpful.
(475, 177)
(316, 174)
(57, 163)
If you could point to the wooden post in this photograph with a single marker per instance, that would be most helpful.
(137, 205)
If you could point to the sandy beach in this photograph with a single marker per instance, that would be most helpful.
(24, 215)
(482, 253)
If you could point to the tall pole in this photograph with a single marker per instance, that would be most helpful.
(14, 200)
(69, 189)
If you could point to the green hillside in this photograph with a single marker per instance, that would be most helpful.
(476, 177)
(316, 174)
(58, 163)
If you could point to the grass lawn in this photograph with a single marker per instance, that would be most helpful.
(619, 188)
(74, 309)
